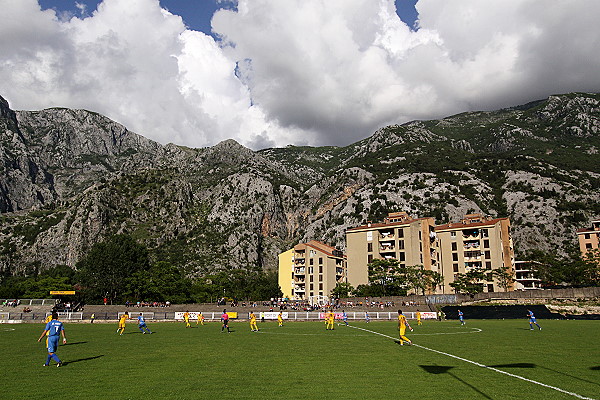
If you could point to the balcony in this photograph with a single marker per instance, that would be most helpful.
(386, 235)
(472, 245)
(386, 247)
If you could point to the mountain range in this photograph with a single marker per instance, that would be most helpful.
(72, 178)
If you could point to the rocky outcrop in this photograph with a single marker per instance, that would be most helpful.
(71, 178)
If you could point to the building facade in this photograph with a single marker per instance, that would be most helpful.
(310, 271)
(411, 241)
(589, 238)
(525, 275)
(476, 242)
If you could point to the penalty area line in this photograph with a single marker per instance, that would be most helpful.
(482, 366)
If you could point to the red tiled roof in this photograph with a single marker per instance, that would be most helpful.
(391, 224)
(458, 225)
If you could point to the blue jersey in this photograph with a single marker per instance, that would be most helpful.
(531, 316)
(141, 320)
(54, 327)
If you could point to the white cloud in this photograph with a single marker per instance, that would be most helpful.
(297, 71)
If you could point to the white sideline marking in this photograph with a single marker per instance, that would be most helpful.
(482, 366)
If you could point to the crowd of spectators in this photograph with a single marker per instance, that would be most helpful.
(160, 304)
(11, 303)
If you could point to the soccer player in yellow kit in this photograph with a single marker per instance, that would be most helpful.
(200, 319)
(122, 320)
(186, 317)
(330, 318)
(280, 319)
(48, 319)
(419, 318)
(253, 326)
(402, 324)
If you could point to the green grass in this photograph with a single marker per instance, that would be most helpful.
(303, 361)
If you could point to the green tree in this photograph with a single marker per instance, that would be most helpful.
(421, 279)
(104, 271)
(389, 276)
(504, 276)
(469, 282)
(341, 290)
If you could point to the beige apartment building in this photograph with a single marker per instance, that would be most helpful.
(476, 242)
(310, 271)
(589, 238)
(411, 241)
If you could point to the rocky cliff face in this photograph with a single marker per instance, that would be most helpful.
(70, 178)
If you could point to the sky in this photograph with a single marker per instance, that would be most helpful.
(270, 73)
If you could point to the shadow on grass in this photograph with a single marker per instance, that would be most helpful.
(514, 365)
(442, 369)
(83, 359)
(596, 368)
(73, 343)
(573, 376)
(529, 365)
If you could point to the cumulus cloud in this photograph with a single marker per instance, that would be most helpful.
(297, 71)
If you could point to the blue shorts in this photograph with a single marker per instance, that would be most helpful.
(532, 321)
(53, 343)
(142, 325)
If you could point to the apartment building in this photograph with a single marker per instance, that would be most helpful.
(310, 271)
(589, 238)
(525, 275)
(476, 242)
(411, 241)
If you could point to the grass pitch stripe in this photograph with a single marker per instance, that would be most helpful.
(482, 366)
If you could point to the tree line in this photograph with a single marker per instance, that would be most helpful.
(121, 270)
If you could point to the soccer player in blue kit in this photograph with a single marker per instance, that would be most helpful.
(142, 324)
(532, 320)
(54, 328)
(461, 317)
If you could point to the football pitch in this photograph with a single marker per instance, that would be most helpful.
(485, 359)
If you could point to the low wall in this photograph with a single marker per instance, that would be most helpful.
(440, 299)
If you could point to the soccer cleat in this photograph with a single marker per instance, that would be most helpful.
(59, 364)
(45, 365)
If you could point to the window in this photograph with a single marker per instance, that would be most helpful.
(484, 233)
(370, 258)
(454, 246)
(587, 235)
(453, 235)
(320, 260)
(320, 278)
(320, 286)
(588, 245)
(455, 267)
(486, 243)
(370, 247)
(488, 265)
(311, 262)
(420, 237)
(400, 232)
(310, 270)
(311, 287)
(454, 256)
(313, 253)
(401, 244)
(320, 269)
(490, 287)
(488, 254)
(402, 256)
(311, 278)
(420, 246)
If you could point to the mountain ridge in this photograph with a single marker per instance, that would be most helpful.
(71, 178)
